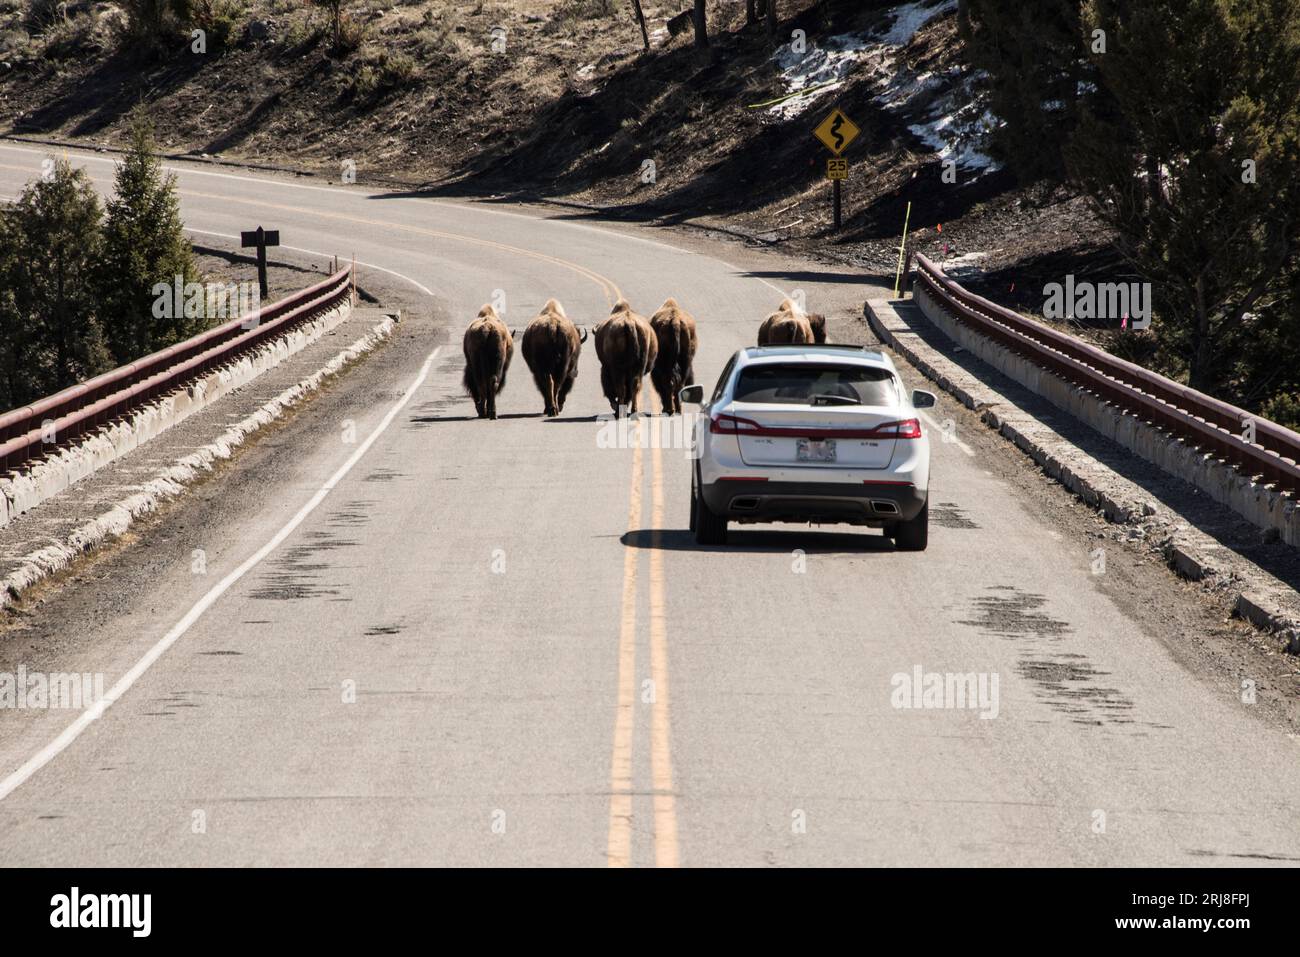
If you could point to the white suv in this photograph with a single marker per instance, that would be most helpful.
(820, 434)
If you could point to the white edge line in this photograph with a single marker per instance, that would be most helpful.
(90, 715)
(935, 425)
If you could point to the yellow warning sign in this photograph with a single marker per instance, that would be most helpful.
(837, 131)
(837, 169)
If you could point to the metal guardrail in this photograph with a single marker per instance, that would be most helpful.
(91, 404)
(1200, 419)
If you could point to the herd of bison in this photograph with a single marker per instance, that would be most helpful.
(627, 344)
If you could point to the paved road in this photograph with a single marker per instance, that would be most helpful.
(422, 638)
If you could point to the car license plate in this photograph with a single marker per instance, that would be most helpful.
(815, 450)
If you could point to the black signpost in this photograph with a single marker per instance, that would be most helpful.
(836, 132)
(261, 238)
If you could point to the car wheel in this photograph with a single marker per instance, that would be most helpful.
(913, 536)
(709, 529)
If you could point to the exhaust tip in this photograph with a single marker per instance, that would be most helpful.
(744, 504)
(884, 508)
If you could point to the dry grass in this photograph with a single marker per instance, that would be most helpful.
(416, 81)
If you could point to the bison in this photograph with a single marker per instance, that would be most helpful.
(674, 331)
(626, 347)
(488, 350)
(551, 346)
(790, 325)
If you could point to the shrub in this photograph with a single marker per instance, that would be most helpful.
(50, 243)
(152, 24)
(381, 71)
(1283, 409)
(144, 244)
(217, 18)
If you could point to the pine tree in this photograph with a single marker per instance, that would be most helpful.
(144, 244)
(1033, 55)
(17, 370)
(1192, 152)
(51, 244)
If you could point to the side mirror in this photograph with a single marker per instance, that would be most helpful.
(691, 395)
(923, 400)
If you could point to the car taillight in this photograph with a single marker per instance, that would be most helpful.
(723, 424)
(906, 429)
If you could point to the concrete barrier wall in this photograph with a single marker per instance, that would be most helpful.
(1258, 504)
(38, 481)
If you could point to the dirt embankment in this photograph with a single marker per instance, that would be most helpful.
(556, 99)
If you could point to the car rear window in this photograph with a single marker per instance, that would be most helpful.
(804, 384)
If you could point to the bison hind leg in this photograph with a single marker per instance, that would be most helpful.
(633, 388)
(684, 378)
(609, 386)
(543, 381)
(662, 380)
(562, 393)
(472, 388)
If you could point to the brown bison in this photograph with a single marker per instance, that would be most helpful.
(789, 325)
(626, 347)
(551, 346)
(674, 331)
(488, 350)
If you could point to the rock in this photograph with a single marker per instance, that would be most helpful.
(1292, 638)
(1149, 508)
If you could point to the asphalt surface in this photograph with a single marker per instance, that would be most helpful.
(419, 638)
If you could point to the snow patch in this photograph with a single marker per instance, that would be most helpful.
(946, 114)
(821, 70)
(910, 17)
(942, 109)
(958, 133)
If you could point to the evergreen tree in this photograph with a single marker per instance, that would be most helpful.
(1033, 54)
(144, 244)
(1192, 152)
(51, 245)
(17, 372)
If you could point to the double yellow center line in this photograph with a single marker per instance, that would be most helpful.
(622, 790)
(622, 786)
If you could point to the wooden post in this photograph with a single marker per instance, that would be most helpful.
(901, 248)
(261, 238)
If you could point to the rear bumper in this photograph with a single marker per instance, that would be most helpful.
(820, 502)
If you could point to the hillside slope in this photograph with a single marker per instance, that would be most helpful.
(573, 109)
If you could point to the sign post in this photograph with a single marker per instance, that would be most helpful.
(836, 132)
(837, 171)
(261, 238)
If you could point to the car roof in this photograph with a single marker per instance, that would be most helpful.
(854, 355)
